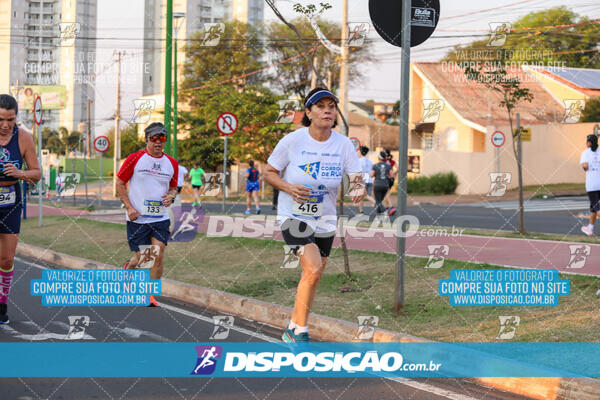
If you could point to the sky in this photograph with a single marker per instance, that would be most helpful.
(120, 26)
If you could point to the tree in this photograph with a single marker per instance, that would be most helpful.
(130, 141)
(238, 52)
(591, 112)
(509, 87)
(256, 109)
(295, 76)
(560, 35)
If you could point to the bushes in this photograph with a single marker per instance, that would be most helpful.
(434, 184)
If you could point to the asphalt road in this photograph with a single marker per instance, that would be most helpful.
(177, 322)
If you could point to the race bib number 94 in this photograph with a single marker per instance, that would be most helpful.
(8, 196)
(153, 209)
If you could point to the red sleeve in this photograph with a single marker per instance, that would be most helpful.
(175, 164)
(128, 166)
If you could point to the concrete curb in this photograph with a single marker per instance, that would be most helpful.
(323, 327)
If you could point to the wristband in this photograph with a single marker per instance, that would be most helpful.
(173, 196)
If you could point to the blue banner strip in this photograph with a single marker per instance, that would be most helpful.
(226, 359)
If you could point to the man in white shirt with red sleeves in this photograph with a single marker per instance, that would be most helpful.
(147, 185)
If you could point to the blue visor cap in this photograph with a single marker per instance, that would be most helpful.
(318, 96)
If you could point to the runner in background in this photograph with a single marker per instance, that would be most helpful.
(147, 184)
(381, 174)
(196, 174)
(252, 187)
(590, 162)
(16, 146)
(366, 166)
(392, 177)
(312, 162)
(183, 173)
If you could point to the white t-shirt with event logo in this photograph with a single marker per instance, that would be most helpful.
(148, 180)
(318, 165)
(592, 176)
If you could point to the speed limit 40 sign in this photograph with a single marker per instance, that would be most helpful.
(101, 144)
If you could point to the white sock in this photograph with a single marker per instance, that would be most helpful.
(591, 227)
(292, 325)
(301, 329)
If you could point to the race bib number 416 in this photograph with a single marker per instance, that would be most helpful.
(153, 209)
(8, 196)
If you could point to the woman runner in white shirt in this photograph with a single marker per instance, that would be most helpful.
(312, 161)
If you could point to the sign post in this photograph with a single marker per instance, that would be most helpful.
(498, 140)
(418, 19)
(355, 142)
(37, 117)
(101, 144)
(227, 124)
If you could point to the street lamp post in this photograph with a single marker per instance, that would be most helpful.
(177, 19)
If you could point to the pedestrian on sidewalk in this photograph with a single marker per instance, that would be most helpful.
(197, 175)
(16, 146)
(590, 162)
(252, 187)
(313, 160)
(59, 185)
(381, 175)
(147, 185)
(366, 166)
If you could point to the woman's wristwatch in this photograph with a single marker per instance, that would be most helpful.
(173, 196)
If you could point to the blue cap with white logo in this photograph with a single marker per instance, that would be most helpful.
(318, 96)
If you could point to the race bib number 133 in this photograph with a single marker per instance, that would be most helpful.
(153, 209)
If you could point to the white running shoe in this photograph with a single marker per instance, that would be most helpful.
(587, 230)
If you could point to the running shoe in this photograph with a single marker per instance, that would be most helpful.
(3, 315)
(392, 211)
(126, 265)
(247, 212)
(153, 302)
(587, 230)
(257, 211)
(289, 336)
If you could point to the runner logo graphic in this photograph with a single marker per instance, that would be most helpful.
(290, 260)
(222, 325)
(432, 109)
(579, 254)
(311, 169)
(287, 110)
(68, 33)
(573, 110)
(70, 182)
(77, 325)
(366, 329)
(499, 31)
(207, 359)
(142, 110)
(356, 187)
(357, 33)
(499, 183)
(213, 184)
(211, 34)
(508, 327)
(187, 219)
(437, 255)
(148, 254)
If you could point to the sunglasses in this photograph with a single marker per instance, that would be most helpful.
(157, 139)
